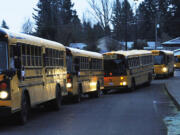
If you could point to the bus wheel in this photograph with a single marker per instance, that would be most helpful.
(98, 91)
(77, 98)
(105, 91)
(133, 85)
(25, 108)
(56, 103)
(172, 74)
(149, 80)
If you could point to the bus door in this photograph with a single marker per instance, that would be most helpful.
(75, 73)
(170, 62)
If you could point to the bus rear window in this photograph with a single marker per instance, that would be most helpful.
(177, 59)
(114, 67)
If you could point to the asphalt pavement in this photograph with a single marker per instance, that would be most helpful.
(172, 86)
(119, 113)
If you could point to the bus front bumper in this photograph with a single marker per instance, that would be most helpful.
(115, 87)
(5, 107)
(161, 75)
(5, 111)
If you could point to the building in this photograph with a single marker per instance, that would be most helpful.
(106, 44)
(152, 45)
(172, 44)
(78, 45)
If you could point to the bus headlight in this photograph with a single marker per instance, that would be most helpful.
(164, 69)
(124, 83)
(175, 65)
(69, 85)
(93, 83)
(3, 94)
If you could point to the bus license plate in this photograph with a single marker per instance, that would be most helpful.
(111, 83)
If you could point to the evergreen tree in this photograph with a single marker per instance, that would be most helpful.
(56, 20)
(70, 30)
(47, 19)
(151, 13)
(146, 20)
(172, 21)
(77, 35)
(99, 32)
(117, 20)
(123, 19)
(67, 12)
(92, 35)
(27, 27)
(4, 25)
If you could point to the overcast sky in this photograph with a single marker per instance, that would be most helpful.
(15, 12)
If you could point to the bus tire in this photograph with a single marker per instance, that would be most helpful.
(172, 73)
(56, 103)
(149, 80)
(133, 85)
(105, 91)
(97, 93)
(22, 116)
(77, 98)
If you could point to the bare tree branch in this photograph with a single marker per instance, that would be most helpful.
(102, 11)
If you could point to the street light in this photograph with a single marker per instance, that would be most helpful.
(157, 26)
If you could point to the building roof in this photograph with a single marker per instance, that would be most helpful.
(173, 42)
(176, 53)
(151, 43)
(78, 45)
(129, 44)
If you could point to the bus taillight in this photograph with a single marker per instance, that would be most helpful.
(3, 86)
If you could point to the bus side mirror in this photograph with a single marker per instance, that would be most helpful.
(17, 63)
(10, 73)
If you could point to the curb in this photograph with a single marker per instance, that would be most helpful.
(172, 97)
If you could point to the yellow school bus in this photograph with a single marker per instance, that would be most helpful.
(163, 63)
(85, 73)
(177, 61)
(127, 69)
(32, 72)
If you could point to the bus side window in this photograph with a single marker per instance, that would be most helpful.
(76, 65)
(15, 58)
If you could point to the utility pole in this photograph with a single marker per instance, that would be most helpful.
(126, 47)
(157, 26)
(136, 25)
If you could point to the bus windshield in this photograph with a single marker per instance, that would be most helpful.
(114, 67)
(159, 59)
(177, 60)
(3, 56)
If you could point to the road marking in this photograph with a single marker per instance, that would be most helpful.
(155, 106)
